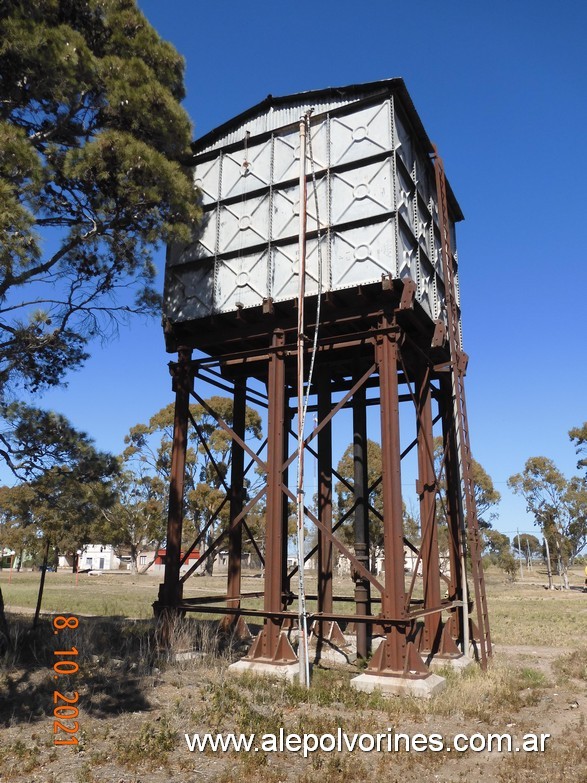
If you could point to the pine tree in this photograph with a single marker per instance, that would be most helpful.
(92, 136)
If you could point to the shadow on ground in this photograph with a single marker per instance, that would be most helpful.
(119, 660)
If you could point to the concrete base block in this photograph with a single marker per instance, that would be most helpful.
(458, 664)
(330, 653)
(187, 655)
(288, 671)
(423, 688)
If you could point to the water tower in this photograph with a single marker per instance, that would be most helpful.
(325, 277)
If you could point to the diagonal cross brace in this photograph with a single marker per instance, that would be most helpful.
(224, 533)
(230, 432)
(364, 378)
(359, 567)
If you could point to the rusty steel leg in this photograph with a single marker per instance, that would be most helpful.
(361, 501)
(286, 593)
(271, 645)
(237, 495)
(452, 505)
(325, 630)
(170, 592)
(426, 487)
(396, 655)
(324, 497)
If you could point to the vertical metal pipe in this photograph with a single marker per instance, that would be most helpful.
(286, 504)
(237, 492)
(302, 618)
(170, 591)
(361, 517)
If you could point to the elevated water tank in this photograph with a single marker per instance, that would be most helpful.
(371, 206)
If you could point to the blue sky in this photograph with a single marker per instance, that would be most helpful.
(501, 89)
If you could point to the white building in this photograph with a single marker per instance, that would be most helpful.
(95, 557)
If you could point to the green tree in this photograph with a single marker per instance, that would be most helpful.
(36, 440)
(499, 552)
(530, 546)
(91, 141)
(137, 518)
(559, 508)
(63, 479)
(68, 484)
(486, 496)
(148, 452)
(578, 436)
(66, 505)
(497, 543)
(345, 499)
(16, 529)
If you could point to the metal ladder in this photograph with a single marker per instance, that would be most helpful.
(458, 364)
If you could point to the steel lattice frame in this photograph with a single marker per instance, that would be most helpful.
(378, 339)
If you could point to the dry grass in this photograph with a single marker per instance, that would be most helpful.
(572, 666)
(564, 762)
(522, 611)
(131, 743)
(136, 701)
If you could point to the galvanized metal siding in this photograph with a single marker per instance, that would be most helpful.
(373, 211)
(273, 119)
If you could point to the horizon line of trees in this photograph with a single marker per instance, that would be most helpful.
(77, 495)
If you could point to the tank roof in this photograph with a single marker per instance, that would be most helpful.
(393, 86)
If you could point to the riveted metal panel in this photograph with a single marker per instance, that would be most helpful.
(244, 224)
(361, 134)
(362, 192)
(242, 282)
(365, 253)
(371, 206)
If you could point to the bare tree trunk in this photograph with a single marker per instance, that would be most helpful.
(133, 559)
(157, 548)
(209, 564)
(548, 568)
(3, 625)
(41, 584)
(562, 569)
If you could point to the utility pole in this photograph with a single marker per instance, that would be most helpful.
(548, 568)
(520, 554)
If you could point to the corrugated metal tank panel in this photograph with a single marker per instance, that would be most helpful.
(276, 117)
(371, 209)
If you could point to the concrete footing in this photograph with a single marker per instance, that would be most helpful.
(287, 671)
(331, 653)
(459, 663)
(422, 688)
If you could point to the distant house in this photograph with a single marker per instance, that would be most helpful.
(311, 564)
(410, 560)
(7, 557)
(94, 557)
(249, 560)
(158, 566)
